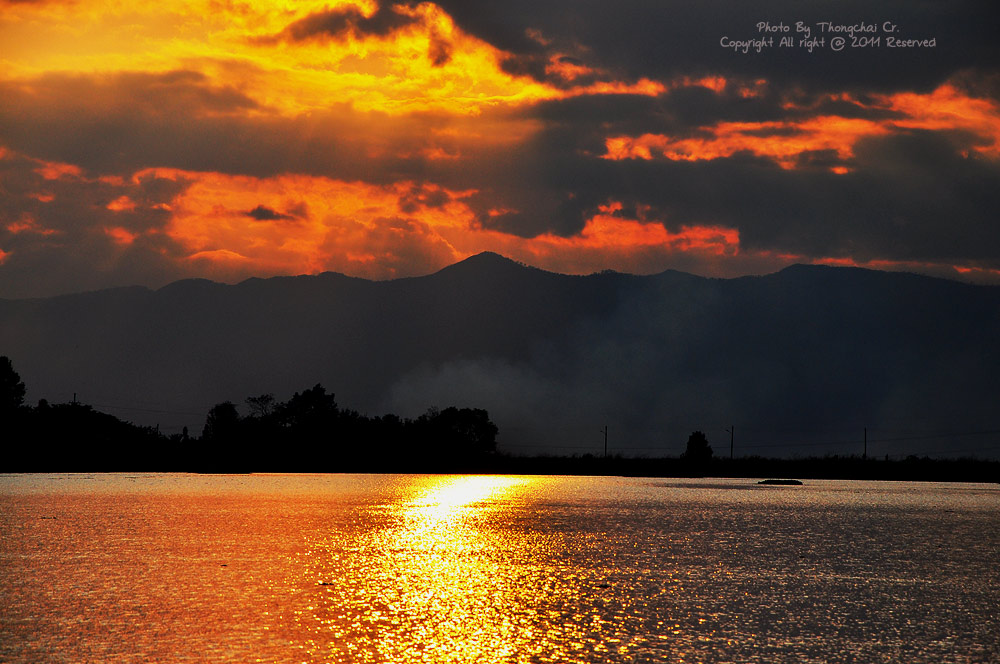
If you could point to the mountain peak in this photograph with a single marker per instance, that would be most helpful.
(488, 258)
(487, 263)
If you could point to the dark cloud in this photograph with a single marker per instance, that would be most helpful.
(844, 108)
(347, 21)
(910, 197)
(178, 91)
(537, 66)
(666, 39)
(96, 123)
(264, 213)
(65, 233)
(440, 51)
(979, 82)
(121, 123)
(587, 120)
(422, 196)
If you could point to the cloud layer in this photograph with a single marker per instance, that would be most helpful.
(215, 139)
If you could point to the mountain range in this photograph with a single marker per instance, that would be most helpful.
(811, 360)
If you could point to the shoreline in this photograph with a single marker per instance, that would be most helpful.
(966, 470)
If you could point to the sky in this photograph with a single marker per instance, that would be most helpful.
(141, 143)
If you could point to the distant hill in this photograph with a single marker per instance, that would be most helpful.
(800, 361)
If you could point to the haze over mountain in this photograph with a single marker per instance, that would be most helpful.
(800, 361)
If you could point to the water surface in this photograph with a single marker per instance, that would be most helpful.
(382, 568)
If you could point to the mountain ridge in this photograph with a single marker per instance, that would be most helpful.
(808, 348)
(494, 261)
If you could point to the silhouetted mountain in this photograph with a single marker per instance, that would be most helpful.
(806, 357)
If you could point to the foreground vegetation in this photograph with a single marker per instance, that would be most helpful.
(307, 433)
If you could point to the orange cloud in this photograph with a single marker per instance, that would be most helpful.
(610, 240)
(121, 236)
(122, 204)
(976, 273)
(947, 108)
(28, 224)
(782, 141)
(567, 68)
(607, 232)
(643, 86)
(229, 227)
(295, 224)
(57, 171)
(786, 141)
(714, 83)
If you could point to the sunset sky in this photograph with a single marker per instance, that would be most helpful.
(142, 143)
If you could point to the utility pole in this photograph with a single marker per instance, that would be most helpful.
(732, 435)
(866, 444)
(605, 430)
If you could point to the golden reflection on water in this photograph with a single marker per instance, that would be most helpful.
(430, 583)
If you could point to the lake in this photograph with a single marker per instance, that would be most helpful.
(431, 568)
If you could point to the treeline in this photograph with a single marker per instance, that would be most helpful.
(310, 432)
(307, 433)
(75, 437)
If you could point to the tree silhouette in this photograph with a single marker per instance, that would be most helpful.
(309, 409)
(222, 423)
(261, 406)
(698, 449)
(456, 432)
(11, 387)
(309, 417)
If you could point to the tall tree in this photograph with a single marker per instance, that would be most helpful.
(261, 406)
(309, 410)
(11, 387)
(221, 424)
(698, 449)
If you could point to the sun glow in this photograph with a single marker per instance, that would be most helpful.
(289, 58)
(442, 503)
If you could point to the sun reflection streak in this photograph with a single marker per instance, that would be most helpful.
(426, 581)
